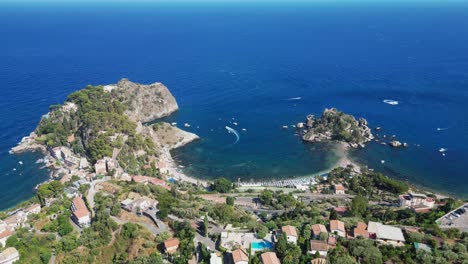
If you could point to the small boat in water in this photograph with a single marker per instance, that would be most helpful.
(390, 102)
(442, 150)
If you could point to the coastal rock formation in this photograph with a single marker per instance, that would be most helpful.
(338, 126)
(145, 102)
(107, 122)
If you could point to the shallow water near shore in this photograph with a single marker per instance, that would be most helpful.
(266, 66)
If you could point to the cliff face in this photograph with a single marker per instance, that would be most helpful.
(336, 125)
(145, 102)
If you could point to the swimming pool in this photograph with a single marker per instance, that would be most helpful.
(261, 245)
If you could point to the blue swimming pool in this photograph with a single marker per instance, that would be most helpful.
(261, 245)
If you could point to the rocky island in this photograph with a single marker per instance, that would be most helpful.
(103, 130)
(335, 125)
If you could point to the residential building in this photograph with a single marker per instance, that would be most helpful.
(171, 245)
(319, 246)
(33, 209)
(269, 258)
(386, 234)
(291, 233)
(9, 256)
(339, 189)
(151, 180)
(418, 202)
(317, 229)
(100, 167)
(139, 205)
(231, 240)
(239, 256)
(361, 230)
(337, 227)
(80, 214)
(331, 241)
(4, 235)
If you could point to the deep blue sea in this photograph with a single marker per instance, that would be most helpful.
(241, 63)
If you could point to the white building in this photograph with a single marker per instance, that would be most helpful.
(80, 214)
(291, 233)
(319, 246)
(415, 200)
(9, 256)
(337, 227)
(385, 234)
(339, 189)
(5, 233)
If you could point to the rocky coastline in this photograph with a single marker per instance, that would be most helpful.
(145, 103)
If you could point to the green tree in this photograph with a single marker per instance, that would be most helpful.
(359, 205)
(230, 200)
(333, 214)
(205, 225)
(222, 185)
(64, 226)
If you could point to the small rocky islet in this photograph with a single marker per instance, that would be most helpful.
(335, 125)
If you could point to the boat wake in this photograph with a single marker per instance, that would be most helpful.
(294, 99)
(391, 102)
(442, 128)
(233, 131)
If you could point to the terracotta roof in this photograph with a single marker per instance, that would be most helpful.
(6, 233)
(331, 240)
(339, 187)
(318, 245)
(239, 255)
(173, 242)
(337, 225)
(151, 180)
(270, 258)
(289, 230)
(361, 230)
(341, 209)
(318, 228)
(80, 207)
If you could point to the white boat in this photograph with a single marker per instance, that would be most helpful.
(382, 161)
(285, 126)
(174, 123)
(186, 125)
(244, 129)
(20, 162)
(441, 150)
(390, 102)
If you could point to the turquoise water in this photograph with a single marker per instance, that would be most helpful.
(261, 245)
(247, 61)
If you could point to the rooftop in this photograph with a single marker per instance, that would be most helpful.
(318, 228)
(385, 231)
(173, 242)
(239, 255)
(289, 230)
(337, 225)
(318, 245)
(270, 258)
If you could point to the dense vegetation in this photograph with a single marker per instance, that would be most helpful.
(98, 125)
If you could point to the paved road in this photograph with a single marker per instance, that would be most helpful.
(91, 193)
